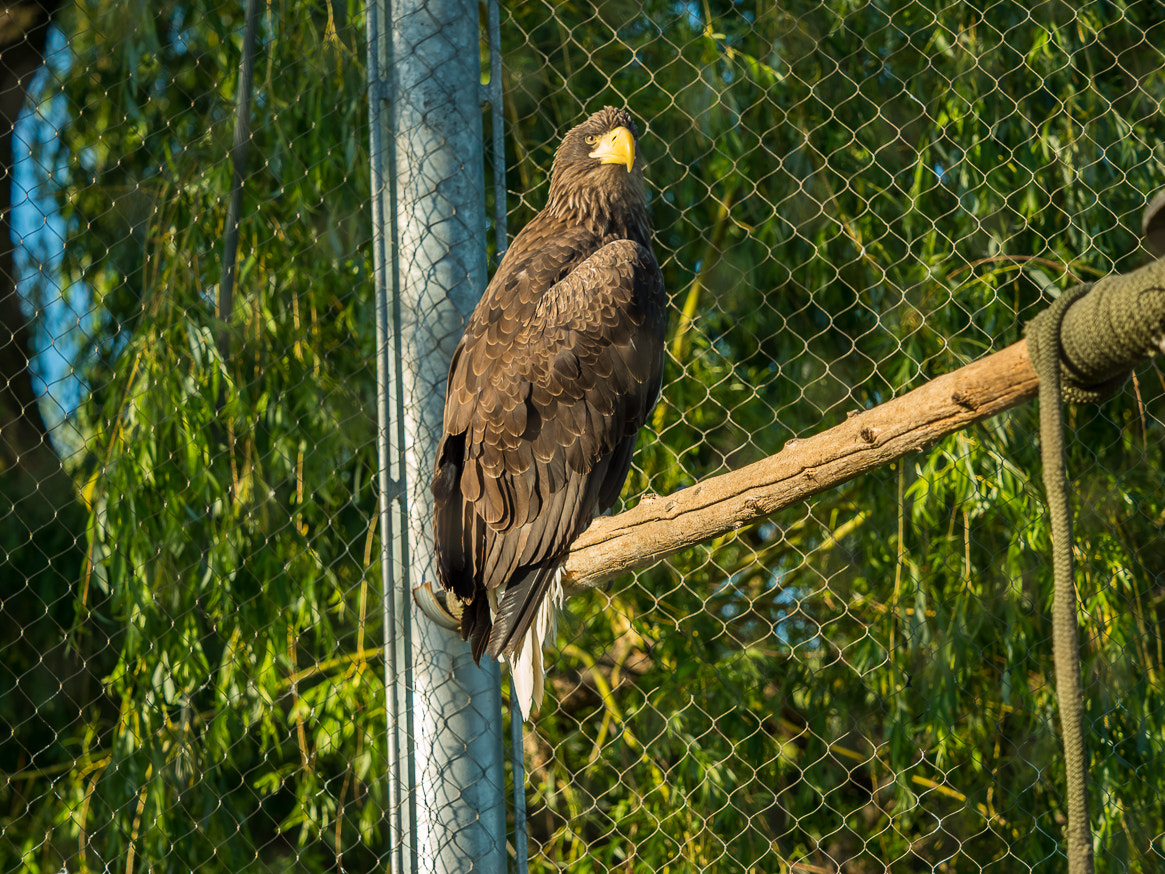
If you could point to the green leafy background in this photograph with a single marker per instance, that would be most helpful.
(850, 199)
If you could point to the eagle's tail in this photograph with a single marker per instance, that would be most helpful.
(526, 622)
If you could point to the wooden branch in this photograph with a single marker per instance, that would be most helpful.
(661, 526)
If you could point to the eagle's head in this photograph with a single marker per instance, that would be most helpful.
(606, 139)
(598, 169)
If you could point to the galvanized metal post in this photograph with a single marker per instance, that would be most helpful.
(447, 784)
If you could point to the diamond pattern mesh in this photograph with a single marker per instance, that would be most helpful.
(849, 199)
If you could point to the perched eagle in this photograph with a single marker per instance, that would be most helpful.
(558, 368)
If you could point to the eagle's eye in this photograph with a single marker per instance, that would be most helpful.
(592, 139)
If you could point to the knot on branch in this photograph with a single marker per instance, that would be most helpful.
(1100, 331)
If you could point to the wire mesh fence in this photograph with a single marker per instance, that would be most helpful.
(848, 200)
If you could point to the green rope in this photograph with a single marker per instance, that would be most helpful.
(1044, 333)
(1110, 329)
(1082, 348)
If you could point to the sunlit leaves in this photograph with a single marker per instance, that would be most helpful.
(231, 454)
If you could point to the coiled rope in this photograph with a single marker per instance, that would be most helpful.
(1082, 348)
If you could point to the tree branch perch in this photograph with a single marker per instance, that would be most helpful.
(662, 526)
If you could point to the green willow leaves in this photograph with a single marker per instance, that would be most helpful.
(849, 200)
(225, 610)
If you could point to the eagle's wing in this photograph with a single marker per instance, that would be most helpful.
(546, 393)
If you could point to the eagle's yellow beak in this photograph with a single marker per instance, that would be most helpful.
(616, 147)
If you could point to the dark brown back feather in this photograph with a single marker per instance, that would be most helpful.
(558, 369)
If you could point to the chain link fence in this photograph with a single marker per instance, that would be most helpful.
(849, 199)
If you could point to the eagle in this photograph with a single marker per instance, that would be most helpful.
(558, 369)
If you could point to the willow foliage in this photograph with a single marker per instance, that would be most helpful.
(849, 199)
(226, 611)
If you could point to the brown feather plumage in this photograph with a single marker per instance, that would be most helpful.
(558, 369)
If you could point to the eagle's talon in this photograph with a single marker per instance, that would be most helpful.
(438, 606)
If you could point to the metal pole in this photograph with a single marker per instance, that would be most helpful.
(398, 655)
(447, 783)
(494, 95)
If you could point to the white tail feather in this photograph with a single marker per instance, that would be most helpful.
(527, 664)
